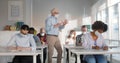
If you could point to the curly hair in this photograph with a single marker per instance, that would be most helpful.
(99, 25)
(105, 28)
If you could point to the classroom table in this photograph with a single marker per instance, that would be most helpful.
(78, 52)
(6, 52)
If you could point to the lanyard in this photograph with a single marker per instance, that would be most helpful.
(95, 43)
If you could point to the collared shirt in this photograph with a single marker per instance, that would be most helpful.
(50, 29)
(88, 42)
(23, 41)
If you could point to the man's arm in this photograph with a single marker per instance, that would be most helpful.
(32, 43)
(37, 40)
(12, 44)
(105, 47)
(63, 23)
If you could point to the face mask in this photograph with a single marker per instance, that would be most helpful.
(72, 35)
(97, 33)
(57, 15)
(84, 32)
(42, 34)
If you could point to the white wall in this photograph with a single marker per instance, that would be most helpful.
(4, 13)
(36, 11)
(41, 9)
(75, 8)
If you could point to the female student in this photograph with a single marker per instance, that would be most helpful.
(95, 40)
(71, 39)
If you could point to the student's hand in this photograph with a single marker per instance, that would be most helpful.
(11, 48)
(43, 43)
(105, 48)
(80, 43)
(19, 48)
(96, 47)
(23, 48)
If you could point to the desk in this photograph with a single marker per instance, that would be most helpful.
(78, 52)
(6, 52)
(110, 46)
(42, 47)
(69, 47)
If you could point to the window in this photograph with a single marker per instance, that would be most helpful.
(99, 16)
(112, 2)
(114, 22)
(104, 15)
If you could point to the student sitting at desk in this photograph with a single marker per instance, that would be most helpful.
(95, 40)
(71, 39)
(79, 37)
(36, 38)
(23, 42)
(38, 42)
(42, 36)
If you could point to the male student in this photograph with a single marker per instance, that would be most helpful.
(79, 37)
(22, 42)
(79, 40)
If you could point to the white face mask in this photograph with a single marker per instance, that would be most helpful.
(97, 33)
(72, 35)
(57, 15)
(84, 32)
(42, 34)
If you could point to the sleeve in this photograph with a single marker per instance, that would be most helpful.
(12, 42)
(85, 43)
(103, 40)
(67, 41)
(37, 40)
(48, 24)
(32, 43)
(61, 27)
